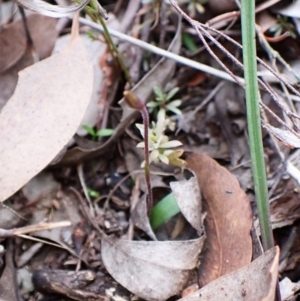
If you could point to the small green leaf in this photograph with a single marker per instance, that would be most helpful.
(163, 211)
(93, 193)
(91, 35)
(152, 104)
(175, 110)
(189, 42)
(160, 95)
(105, 132)
(90, 130)
(172, 93)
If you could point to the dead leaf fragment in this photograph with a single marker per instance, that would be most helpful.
(14, 56)
(228, 246)
(153, 270)
(12, 45)
(188, 198)
(51, 10)
(13, 39)
(287, 138)
(288, 288)
(37, 122)
(291, 10)
(255, 282)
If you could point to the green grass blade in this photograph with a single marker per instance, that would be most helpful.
(254, 122)
(163, 211)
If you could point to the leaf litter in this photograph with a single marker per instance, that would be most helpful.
(214, 226)
(39, 122)
(156, 270)
(255, 282)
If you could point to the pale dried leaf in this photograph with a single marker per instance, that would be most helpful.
(288, 288)
(153, 270)
(287, 138)
(292, 10)
(228, 221)
(139, 216)
(95, 49)
(14, 56)
(188, 198)
(37, 122)
(12, 45)
(255, 282)
(51, 10)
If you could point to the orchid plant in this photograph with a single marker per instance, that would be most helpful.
(160, 148)
(156, 144)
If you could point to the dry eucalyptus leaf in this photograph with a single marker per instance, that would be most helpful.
(15, 57)
(153, 270)
(228, 222)
(287, 138)
(43, 114)
(12, 45)
(139, 216)
(156, 270)
(95, 49)
(13, 39)
(50, 10)
(188, 198)
(255, 282)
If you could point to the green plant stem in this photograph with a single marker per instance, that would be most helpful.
(93, 13)
(112, 45)
(254, 122)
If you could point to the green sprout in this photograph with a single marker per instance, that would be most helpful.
(162, 101)
(93, 193)
(100, 133)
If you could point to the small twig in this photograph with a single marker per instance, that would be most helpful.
(85, 190)
(32, 228)
(162, 52)
(85, 211)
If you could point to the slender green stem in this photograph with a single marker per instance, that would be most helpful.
(92, 11)
(254, 122)
(115, 50)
